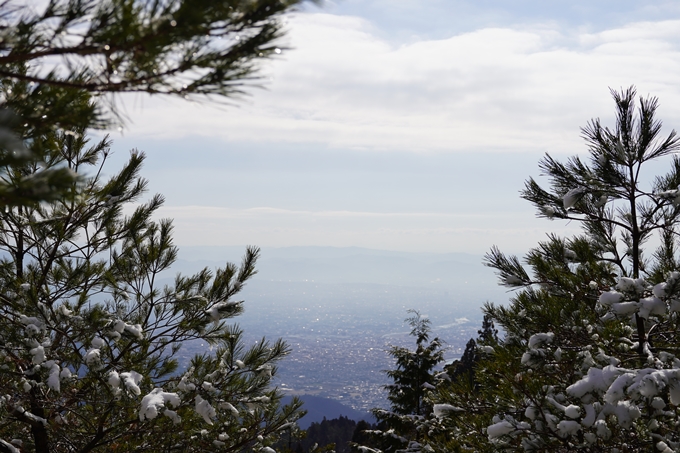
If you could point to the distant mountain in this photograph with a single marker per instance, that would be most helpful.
(318, 407)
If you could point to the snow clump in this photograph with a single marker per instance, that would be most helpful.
(610, 298)
(38, 353)
(219, 309)
(499, 429)
(572, 197)
(568, 428)
(155, 401)
(53, 380)
(230, 407)
(441, 410)
(205, 410)
(512, 280)
(540, 338)
(131, 380)
(135, 330)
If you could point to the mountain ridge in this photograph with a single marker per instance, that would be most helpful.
(319, 407)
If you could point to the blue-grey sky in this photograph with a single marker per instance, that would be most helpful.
(404, 125)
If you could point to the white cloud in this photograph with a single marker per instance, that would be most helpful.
(343, 86)
(492, 89)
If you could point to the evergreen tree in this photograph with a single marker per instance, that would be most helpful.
(334, 434)
(414, 369)
(362, 437)
(465, 367)
(412, 379)
(191, 49)
(588, 361)
(488, 334)
(89, 338)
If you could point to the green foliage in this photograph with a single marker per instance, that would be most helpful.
(588, 360)
(464, 369)
(413, 370)
(89, 340)
(361, 437)
(412, 379)
(334, 435)
(177, 47)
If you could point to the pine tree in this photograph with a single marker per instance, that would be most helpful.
(89, 339)
(361, 437)
(191, 49)
(412, 379)
(488, 334)
(588, 361)
(464, 369)
(330, 435)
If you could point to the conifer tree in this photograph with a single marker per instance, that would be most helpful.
(412, 379)
(89, 338)
(589, 358)
(465, 367)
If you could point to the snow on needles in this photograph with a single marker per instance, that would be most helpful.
(54, 378)
(155, 401)
(9, 447)
(499, 429)
(131, 380)
(572, 197)
(205, 410)
(603, 394)
(541, 338)
(220, 309)
(441, 410)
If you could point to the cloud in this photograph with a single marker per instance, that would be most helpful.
(342, 86)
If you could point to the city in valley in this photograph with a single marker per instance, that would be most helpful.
(339, 331)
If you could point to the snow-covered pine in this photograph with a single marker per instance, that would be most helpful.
(89, 343)
(589, 360)
(74, 267)
(223, 309)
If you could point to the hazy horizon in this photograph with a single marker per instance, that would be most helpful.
(341, 308)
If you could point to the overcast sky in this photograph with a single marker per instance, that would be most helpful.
(404, 125)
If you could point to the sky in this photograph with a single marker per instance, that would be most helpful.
(404, 125)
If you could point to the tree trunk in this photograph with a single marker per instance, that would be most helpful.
(39, 431)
